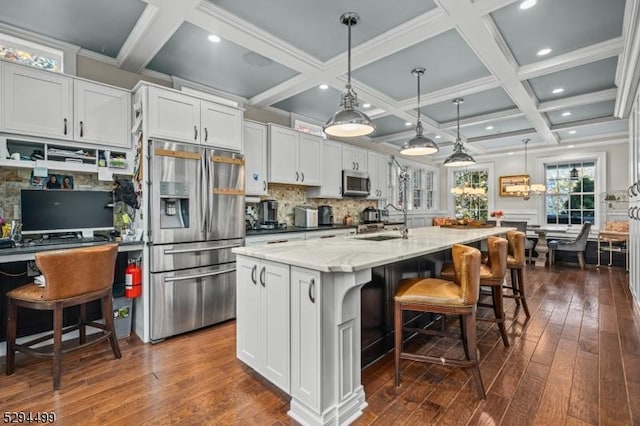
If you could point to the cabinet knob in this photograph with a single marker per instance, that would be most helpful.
(253, 274)
(312, 288)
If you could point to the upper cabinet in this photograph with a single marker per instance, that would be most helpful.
(354, 158)
(378, 167)
(294, 157)
(331, 183)
(255, 158)
(179, 117)
(102, 114)
(47, 104)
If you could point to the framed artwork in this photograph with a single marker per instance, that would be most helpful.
(67, 182)
(505, 181)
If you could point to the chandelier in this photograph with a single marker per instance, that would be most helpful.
(466, 190)
(526, 188)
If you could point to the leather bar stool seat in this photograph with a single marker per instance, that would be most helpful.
(516, 264)
(493, 270)
(456, 297)
(72, 277)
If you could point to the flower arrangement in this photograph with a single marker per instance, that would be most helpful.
(498, 214)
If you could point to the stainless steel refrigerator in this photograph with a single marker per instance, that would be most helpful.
(196, 212)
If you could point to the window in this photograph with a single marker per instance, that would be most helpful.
(471, 206)
(420, 187)
(28, 53)
(571, 189)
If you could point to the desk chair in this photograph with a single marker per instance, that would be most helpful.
(457, 297)
(72, 277)
(521, 225)
(578, 245)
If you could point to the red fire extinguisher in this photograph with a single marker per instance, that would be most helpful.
(133, 280)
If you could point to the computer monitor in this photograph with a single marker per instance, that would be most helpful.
(56, 211)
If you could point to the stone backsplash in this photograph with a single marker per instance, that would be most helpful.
(290, 196)
(12, 180)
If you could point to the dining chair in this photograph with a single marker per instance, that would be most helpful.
(578, 245)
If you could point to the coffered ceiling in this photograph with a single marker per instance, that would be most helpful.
(276, 54)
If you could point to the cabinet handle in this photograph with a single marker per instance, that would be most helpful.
(339, 190)
(206, 134)
(354, 165)
(65, 126)
(195, 133)
(297, 176)
(262, 271)
(81, 129)
(357, 166)
(302, 174)
(264, 185)
(312, 288)
(253, 274)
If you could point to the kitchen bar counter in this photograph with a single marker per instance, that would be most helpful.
(299, 313)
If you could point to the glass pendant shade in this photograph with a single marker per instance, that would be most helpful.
(419, 144)
(349, 122)
(459, 158)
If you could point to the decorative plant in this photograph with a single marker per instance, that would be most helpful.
(498, 214)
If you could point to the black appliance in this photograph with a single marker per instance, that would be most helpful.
(370, 215)
(268, 212)
(325, 215)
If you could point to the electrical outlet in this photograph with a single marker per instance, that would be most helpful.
(32, 270)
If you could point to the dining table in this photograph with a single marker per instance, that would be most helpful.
(541, 246)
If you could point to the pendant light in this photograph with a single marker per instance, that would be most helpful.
(526, 188)
(349, 122)
(459, 158)
(419, 144)
(574, 174)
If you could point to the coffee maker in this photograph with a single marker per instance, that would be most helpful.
(325, 215)
(268, 212)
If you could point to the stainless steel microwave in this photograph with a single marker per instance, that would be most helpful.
(355, 184)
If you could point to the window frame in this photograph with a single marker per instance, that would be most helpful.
(491, 185)
(394, 184)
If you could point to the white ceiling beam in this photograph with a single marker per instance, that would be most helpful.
(449, 93)
(158, 22)
(585, 55)
(604, 139)
(503, 135)
(487, 6)
(628, 74)
(574, 101)
(480, 119)
(584, 123)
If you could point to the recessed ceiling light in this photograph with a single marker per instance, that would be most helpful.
(367, 105)
(438, 136)
(557, 90)
(408, 123)
(570, 146)
(323, 86)
(213, 38)
(544, 52)
(528, 4)
(572, 132)
(566, 113)
(489, 128)
(509, 153)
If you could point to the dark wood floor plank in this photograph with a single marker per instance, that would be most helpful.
(490, 411)
(614, 405)
(524, 403)
(632, 375)
(584, 399)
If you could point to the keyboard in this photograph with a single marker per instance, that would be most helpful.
(59, 241)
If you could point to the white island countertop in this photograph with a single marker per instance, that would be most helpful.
(355, 253)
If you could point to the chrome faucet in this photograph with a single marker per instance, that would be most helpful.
(404, 180)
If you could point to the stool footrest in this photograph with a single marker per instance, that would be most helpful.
(436, 360)
(430, 332)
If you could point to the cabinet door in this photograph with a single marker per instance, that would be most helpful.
(378, 166)
(37, 102)
(306, 307)
(221, 126)
(101, 114)
(310, 161)
(331, 176)
(173, 116)
(248, 311)
(255, 157)
(372, 163)
(283, 155)
(275, 323)
(354, 158)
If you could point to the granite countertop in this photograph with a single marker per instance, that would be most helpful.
(354, 253)
(288, 229)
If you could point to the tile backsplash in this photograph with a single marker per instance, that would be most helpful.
(290, 196)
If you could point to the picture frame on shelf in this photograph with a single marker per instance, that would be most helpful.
(505, 181)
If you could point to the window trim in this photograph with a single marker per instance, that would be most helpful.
(394, 186)
(491, 190)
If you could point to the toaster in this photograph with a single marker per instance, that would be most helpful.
(305, 217)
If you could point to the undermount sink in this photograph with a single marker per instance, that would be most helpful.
(380, 237)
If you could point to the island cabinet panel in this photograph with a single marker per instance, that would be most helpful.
(263, 319)
(306, 371)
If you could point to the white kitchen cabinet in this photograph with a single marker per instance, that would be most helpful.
(378, 168)
(354, 158)
(331, 174)
(179, 117)
(294, 157)
(102, 114)
(263, 318)
(36, 102)
(221, 126)
(306, 362)
(255, 158)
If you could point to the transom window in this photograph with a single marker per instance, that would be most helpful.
(471, 206)
(32, 54)
(571, 192)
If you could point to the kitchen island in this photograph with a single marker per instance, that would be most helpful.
(298, 313)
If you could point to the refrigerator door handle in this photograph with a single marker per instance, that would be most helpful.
(203, 194)
(211, 184)
(195, 250)
(194, 276)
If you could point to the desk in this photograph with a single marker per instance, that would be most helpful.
(541, 246)
(24, 253)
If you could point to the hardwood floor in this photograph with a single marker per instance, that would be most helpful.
(576, 362)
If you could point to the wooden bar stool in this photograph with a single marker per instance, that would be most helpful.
(493, 270)
(516, 264)
(456, 297)
(72, 277)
